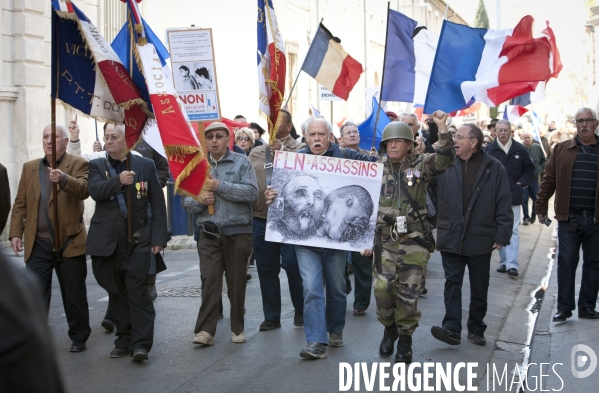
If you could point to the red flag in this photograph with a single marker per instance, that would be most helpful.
(271, 66)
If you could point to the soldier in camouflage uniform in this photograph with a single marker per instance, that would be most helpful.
(400, 258)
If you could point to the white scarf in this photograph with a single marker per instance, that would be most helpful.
(506, 147)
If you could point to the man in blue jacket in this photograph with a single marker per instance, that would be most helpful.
(474, 218)
(520, 170)
(322, 316)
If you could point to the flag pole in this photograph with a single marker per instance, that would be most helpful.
(300, 70)
(378, 111)
(128, 159)
(57, 245)
(97, 139)
(202, 139)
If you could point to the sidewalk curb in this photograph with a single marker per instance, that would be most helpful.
(515, 342)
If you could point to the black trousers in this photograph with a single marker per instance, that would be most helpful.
(151, 280)
(454, 266)
(71, 274)
(131, 309)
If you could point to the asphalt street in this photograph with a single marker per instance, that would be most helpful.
(269, 361)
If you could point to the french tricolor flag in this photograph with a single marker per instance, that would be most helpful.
(62, 6)
(513, 112)
(330, 65)
(490, 66)
(409, 56)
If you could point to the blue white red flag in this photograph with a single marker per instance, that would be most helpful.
(366, 128)
(409, 56)
(491, 66)
(513, 112)
(272, 66)
(88, 76)
(331, 65)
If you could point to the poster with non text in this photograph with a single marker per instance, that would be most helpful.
(324, 201)
(194, 73)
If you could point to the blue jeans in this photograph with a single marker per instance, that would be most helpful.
(532, 190)
(270, 257)
(508, 255)
(314, 262)
(567, 263)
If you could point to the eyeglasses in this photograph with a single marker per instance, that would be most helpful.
(582, 121)
(111, 138)
(460, 137)
(218, 137)
(244, 138)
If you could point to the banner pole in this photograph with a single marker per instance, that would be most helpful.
(57, 244)
(129, 219)
(202, 139)
(378, 111)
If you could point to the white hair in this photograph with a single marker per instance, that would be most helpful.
(61, 128)
(306, 125)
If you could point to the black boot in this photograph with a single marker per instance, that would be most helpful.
(404, 349)
(386, 347)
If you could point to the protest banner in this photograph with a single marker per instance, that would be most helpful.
(194, 73)
(324, 201)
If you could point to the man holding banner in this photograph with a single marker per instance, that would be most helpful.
(120, 266)
(320, 316)
(403, 239)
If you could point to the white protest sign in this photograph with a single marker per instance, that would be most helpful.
(326, 95)
(194, 73)
(324, 201)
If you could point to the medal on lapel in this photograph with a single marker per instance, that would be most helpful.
(138, 187)
(417, 173)
(107, 175)
(144, 187)
(410, 176)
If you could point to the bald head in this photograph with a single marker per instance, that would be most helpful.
(61, 141)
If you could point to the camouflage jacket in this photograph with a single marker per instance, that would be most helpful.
(424, 167)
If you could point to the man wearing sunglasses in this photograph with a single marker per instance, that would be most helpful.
(572, 174)
(225, 241)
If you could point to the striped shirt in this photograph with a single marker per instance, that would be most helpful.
(583, 188)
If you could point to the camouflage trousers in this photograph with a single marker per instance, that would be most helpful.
(399, 283)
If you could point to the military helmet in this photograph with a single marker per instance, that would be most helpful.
(396, 130)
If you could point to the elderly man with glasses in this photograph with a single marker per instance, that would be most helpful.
(572, 174)
(520, 170)
(225, 241)
(122, 267)
(468, 231)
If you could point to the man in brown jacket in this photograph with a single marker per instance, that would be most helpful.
(31, 216)
(270, 256)
(572, 174)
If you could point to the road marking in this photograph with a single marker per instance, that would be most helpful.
(173, 274)
(193, 268)
(104, 299)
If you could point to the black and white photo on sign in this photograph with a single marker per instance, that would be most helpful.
(191, 76)
(321, 204)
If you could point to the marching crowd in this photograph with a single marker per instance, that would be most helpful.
(471, 182)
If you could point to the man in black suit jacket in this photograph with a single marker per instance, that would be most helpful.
(121, 271)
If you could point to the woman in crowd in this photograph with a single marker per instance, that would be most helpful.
(244, 138)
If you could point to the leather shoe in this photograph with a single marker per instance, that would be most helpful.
(119, 353)
(359, 312)
(502, 269)
(512, 272)
(424, 291)
(587, 313)
(447, 335)
(152, 291)
(139, 355)
(298, 319)
(78, 346)
(477, 338)
(108, 325)
(561, 316)
(270, 325)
